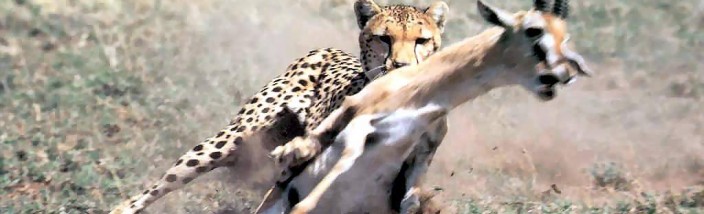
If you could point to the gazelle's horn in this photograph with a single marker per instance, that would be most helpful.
(540, 5)
(561, 8)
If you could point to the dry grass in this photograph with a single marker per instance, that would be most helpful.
(98, 97)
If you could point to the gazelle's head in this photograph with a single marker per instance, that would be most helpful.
(541, 35)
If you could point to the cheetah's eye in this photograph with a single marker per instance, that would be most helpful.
(386, 39)
(422, 41)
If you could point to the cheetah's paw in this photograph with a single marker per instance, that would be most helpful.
(295, 152)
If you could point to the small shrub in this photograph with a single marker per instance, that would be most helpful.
(611, 175)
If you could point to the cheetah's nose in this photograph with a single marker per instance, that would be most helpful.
(397, 64)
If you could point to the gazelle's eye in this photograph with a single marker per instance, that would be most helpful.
(386, 39)
(533, 32)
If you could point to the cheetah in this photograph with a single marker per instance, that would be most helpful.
(374, 130)
(391, 37)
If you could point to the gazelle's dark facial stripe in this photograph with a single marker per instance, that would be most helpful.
(547, 33)
(539, 53)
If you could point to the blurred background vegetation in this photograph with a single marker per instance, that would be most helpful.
(97, 98)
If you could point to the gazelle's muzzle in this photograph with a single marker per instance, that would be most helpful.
(556, 75)
(565, 71)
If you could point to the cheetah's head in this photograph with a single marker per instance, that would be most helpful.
(399, 35)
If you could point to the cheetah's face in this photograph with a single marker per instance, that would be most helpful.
(397, 36)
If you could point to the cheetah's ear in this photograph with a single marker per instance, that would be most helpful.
(438, 11)
(365, 10)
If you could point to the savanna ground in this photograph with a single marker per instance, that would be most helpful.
(97, 98)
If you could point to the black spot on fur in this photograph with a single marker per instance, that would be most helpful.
(201, 169)
(220, 133)
(238, 141)
(187, 180)
(317, 65)
(303, 83)
(154, 193)
(171, 178)
(178, 162)
(270, 100)
(215, 155)
(198, 148)
(192, 163)
(220, 144)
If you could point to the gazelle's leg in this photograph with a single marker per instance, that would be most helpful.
(425, 151)
(354, 147)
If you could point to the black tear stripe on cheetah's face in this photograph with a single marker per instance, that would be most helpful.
(311, 88)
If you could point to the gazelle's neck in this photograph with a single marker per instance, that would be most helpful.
(468, 69)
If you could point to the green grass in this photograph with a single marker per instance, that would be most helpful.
(98, 97)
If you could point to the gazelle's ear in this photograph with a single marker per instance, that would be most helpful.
(495, 16)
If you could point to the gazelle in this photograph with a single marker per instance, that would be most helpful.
(527, 48)
(393, 136)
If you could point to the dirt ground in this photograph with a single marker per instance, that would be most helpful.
(98, 98)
